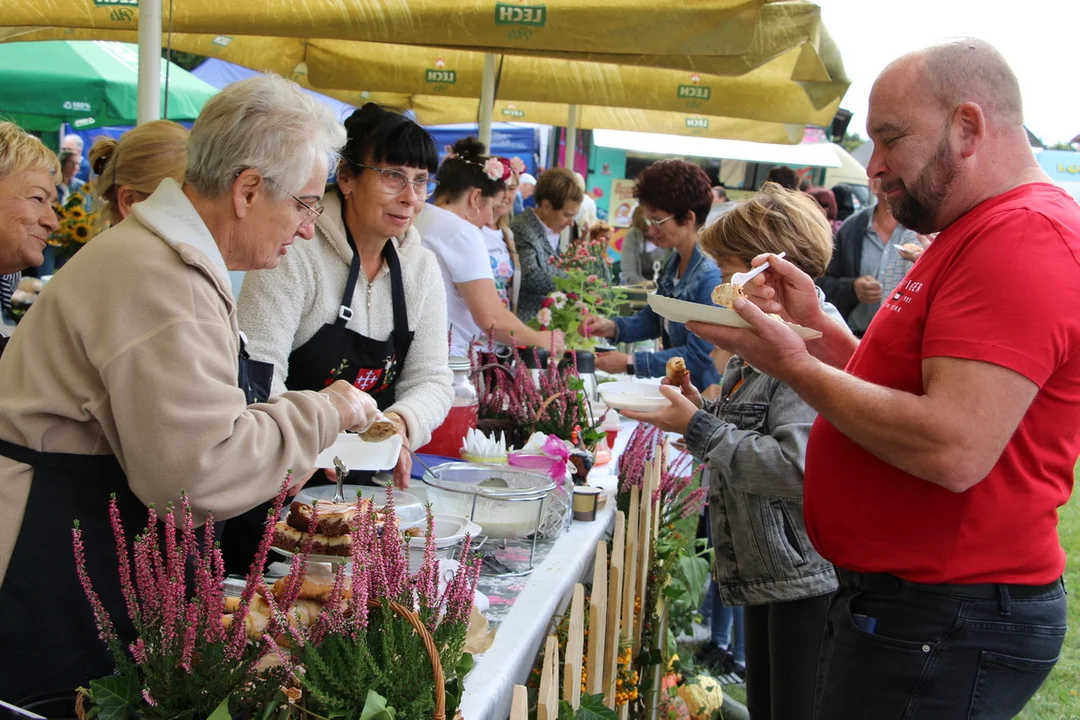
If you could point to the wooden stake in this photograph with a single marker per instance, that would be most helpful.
(575, 647)
(650, 482)
(614, 609)
(594, 666)
(519, 707)
(630, 565)
(547, 706)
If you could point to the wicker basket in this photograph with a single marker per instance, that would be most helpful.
(433, 653)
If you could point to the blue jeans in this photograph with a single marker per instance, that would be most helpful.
(898, 649)
(726, 623)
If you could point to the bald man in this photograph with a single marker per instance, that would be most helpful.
(947, 437)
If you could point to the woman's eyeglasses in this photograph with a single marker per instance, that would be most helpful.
(649, 222)
(395, 182)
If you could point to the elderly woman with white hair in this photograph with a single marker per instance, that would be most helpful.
(29, 172)
(129, 377)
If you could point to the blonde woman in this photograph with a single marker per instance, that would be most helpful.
(29, 174)
(753, 440)
(502, 251)
(130, 169)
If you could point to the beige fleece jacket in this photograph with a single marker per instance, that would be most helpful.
(281, 309)
(132, 350)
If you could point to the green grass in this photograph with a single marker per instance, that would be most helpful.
(1059, 697)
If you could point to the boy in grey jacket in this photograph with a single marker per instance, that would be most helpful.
(753, 439)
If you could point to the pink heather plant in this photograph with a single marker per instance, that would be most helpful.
(377, 649)
(181, 659)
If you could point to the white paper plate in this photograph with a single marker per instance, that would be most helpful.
(638, 396)
(681, 311)
(360, 455)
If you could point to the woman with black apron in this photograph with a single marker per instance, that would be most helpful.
(130, 376)
(362, 302)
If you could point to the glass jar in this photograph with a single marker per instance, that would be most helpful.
(447, 439)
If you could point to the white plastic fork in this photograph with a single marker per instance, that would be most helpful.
(741, 279)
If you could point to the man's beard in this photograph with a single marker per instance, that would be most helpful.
(918, 207)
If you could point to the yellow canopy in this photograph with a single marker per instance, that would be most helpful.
(433, 110)
(765, 94)
(702, 27)
(753, 36)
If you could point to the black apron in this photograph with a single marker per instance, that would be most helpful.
(48, 640)
(334, 353)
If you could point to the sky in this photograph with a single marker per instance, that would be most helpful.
(1039, 38)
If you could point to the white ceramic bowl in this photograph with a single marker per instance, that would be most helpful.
(639, 396)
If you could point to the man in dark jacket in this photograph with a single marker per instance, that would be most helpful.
(867, 262)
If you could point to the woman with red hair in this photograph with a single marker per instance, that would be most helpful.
(676, 197)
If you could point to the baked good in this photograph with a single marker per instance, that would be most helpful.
(676, 371)
(329, 524)
(331, 519)
(316, 589)
(726, 294)
(378, 431)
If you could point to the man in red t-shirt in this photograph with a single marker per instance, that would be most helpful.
(947, 437)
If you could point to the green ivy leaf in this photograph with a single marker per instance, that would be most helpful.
(115, 696)
(464, 665)
(221, 712)
(593, 708)
(375, 708)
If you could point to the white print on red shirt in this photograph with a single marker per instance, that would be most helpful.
(903, 295)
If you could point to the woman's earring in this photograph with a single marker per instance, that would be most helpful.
(474, 216)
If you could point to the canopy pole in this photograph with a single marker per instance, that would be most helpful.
(571, 136)
(149, 107)
(487, 99)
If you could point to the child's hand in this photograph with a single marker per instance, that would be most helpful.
(675, 417)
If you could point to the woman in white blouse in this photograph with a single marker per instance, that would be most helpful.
(470, 186)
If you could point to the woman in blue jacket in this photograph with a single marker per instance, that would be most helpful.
(676, 197)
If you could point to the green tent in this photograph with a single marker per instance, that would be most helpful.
(87, 84)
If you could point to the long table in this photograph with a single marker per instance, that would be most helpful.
(488, 688)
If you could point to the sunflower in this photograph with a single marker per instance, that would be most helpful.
(76, 213)
(81, 232)
(75, 200)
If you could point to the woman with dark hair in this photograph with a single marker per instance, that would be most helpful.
(827, 202)
(676, 196)
(470, 186)
(362, 301)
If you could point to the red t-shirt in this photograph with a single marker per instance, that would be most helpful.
(999, 285)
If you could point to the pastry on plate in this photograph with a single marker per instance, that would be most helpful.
(676, 371)
(378, 431)
(726, 294)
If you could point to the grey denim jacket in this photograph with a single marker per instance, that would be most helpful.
(753, 442)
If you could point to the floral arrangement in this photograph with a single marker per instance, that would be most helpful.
(496, 168)
(555, 404)
(679, 571)
(77, 222)
(183, 659)
(191, 658)
(583, 289)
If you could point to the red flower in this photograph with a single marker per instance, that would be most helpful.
(548, 302)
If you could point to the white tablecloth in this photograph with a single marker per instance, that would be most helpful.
(488, 688)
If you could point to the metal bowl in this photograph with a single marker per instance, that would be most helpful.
(513, 511)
